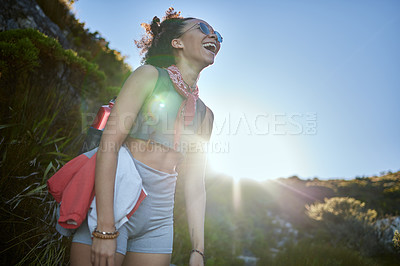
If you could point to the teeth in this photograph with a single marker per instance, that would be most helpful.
(210, 44)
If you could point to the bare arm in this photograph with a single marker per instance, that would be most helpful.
(193, 172)
(132, 96)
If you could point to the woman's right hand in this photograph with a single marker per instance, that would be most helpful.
(103, 251)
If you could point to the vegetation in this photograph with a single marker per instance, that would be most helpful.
(286, 221)
(396, 239)
(91, 46)
(40, 128)
(349, 223)
(290, 222)
(45, 94)
(322, 254)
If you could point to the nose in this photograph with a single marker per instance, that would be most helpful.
(216, 36)
(213, 35)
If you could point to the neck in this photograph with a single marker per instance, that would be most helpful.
(189, 73)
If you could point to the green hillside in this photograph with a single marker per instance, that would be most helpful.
(48, 89)
(274, 219)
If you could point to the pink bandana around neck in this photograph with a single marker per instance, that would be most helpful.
(187, 110)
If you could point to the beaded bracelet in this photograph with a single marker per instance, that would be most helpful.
(198, 251)
(105, 235)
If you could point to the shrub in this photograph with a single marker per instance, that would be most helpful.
(40, 130)
(340, 209)
(349, 223)
(396, 239)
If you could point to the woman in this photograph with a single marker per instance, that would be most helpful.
(160, 120)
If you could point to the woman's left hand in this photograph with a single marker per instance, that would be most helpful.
(196, 259)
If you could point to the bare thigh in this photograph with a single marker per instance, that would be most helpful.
(148, 259)
(80, 255)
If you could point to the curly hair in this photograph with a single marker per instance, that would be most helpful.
(156, 43)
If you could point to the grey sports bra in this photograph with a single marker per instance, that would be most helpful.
(156, 119)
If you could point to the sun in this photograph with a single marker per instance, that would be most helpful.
(238, 151)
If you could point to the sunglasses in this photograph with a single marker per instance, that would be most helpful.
(204, 29)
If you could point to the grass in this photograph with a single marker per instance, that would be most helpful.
(40, 129)
(308, 254)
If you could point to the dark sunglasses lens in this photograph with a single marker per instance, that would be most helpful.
(219, 37)
(206, 31)
(204, 28)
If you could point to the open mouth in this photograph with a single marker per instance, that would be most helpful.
(210, 47)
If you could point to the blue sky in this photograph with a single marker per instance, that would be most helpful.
(307, 88)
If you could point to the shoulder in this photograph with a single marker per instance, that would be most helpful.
(209, 114)
(145, 72)
(143, 78)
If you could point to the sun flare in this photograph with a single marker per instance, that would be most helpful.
(241, 147)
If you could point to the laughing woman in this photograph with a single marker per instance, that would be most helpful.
(158, 120)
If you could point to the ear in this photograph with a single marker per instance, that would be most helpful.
(177, 43)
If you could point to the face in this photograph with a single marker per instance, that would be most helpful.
(197, 46)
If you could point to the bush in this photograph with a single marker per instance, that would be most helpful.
(396, 240)
(340, 209)
(44, 91)
(41, 84)
(349, 223)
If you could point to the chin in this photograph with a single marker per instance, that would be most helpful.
(205, 60)
(207, 64)
(209, 61)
